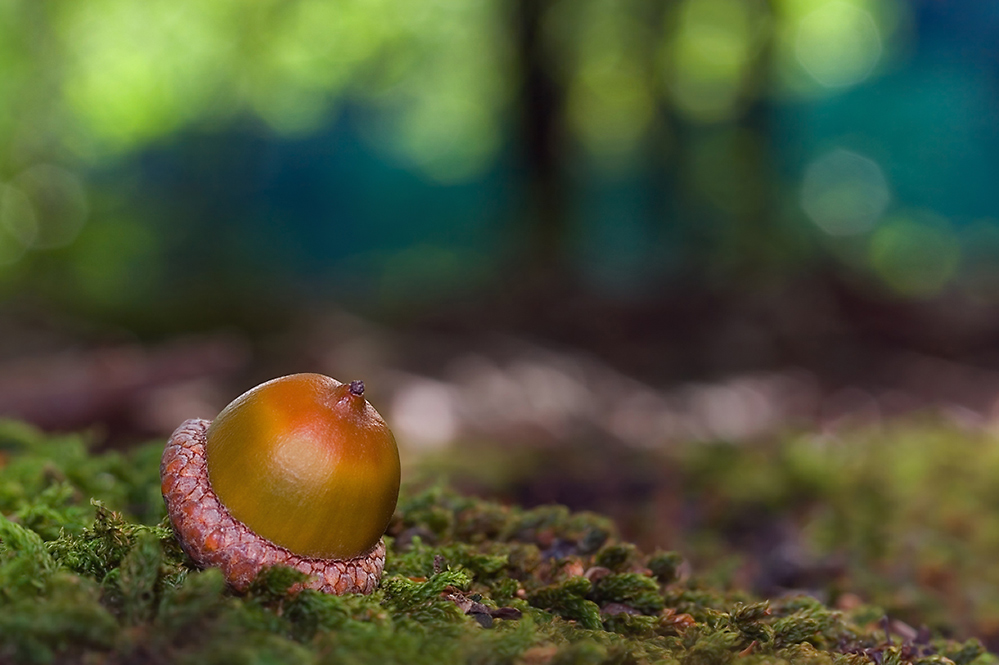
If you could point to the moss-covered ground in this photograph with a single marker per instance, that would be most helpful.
(90, 572)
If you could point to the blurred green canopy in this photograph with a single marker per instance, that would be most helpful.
(587, 113)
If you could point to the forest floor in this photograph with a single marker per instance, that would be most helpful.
(872, 545)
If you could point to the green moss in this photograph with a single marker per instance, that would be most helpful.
(617, 557)
(632, 589)
(65, 617)
(665, 566)
(568, 600)
(90, 573)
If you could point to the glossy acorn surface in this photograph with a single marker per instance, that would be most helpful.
(306, 463)
(303, 459)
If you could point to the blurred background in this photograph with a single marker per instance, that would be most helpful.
(555, 237)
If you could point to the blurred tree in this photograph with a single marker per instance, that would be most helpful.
(541, 106)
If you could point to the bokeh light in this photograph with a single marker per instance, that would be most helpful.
(136, 72)
(708, 59)
(839, 43)
(18, 224)
(610, 105)
(59, 199)
(823, 47)
(844, 193)
(916, 253)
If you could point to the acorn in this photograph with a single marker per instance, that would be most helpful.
(300, 471)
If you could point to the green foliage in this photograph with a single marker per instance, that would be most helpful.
(467, 581)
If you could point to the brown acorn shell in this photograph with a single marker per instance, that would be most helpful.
(213, 538)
